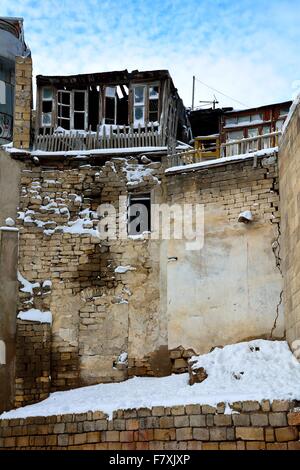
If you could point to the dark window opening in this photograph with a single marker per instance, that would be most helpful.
(65, 123)
(139, 214)
(79, 121)
(79, 101)
(153, 110)
(93, 108)
(47, 106)
(110, 109)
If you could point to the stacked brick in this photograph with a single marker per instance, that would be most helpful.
(23, 103)
(236, 187)
(32, 362)
(251, 426)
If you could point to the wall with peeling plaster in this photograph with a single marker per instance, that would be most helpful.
(230, 290)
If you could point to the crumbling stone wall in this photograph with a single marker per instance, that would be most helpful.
(97, 313)
(252, 426)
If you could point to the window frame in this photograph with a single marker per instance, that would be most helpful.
(71, 107)
(51, 99)
(145, 104)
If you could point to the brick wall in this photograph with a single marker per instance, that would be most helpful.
(23, 103)
(32, 362)
(252, 426)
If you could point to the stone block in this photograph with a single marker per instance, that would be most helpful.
(259, 419)
(218, 434)
(184, 434)
(286, 434)
(278, 419)
(250, 433)
(201, 434)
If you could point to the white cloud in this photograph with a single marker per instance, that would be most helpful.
(246, 49)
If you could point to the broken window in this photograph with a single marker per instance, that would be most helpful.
(110, 105)
(139, 214)
(64, 109)
(72, 109)
(79, 109)
(153, 103)
(47, 106)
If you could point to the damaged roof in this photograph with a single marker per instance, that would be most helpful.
(115, 77)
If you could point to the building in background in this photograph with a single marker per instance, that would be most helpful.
(12, 44)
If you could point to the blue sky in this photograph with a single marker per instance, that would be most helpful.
(247, 49)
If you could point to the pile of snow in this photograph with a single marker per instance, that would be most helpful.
(254, 370)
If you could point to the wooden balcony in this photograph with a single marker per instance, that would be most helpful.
(213, 151)
(106, 137)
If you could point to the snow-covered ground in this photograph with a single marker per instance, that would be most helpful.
(254, 370)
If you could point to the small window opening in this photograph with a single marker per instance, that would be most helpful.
(139, 214)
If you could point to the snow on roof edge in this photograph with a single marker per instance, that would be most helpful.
(222, 160)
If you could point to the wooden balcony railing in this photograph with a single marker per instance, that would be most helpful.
(250, 144)
(106, 137)
(228, 149)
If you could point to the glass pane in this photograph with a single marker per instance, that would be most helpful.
(230, 121)
(46, 119)
(266, 129)
(253, 132)
(235, 135)
(79, 101)
(2, 92)
(47, 93)
(139, 94)
(110, 91)
(284, 111)
(153, 92)
(279, 124)
(257, 117)
(139, 114)
(244, 119)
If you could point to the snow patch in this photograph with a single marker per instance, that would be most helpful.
(270, 372)
(218, 161)
(123, 269)
(35, 315)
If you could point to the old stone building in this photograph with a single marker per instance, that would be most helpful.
(94, 309)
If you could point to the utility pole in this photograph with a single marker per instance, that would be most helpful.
(193, 93)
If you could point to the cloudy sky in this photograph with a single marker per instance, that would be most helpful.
(247, 49)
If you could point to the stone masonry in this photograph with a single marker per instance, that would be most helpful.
(23, 103)
(99, 313)
(251, 426)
